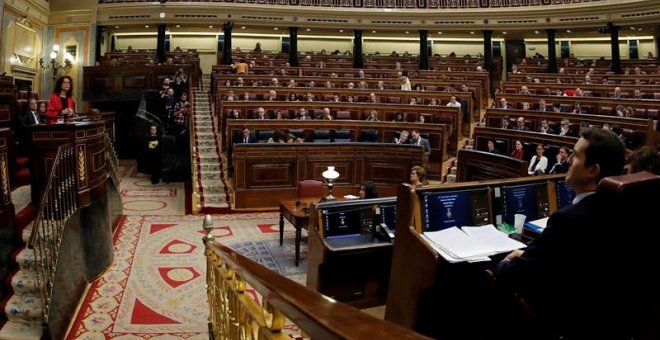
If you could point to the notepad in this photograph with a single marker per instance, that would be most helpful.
(537, 225)
(351, 197)
(470, 243)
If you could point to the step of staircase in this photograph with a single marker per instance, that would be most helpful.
(20, 331)
(24, 309)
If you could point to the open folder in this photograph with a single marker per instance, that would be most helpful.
(471, 243)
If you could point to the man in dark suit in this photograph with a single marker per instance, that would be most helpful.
(520, 124)
(246, 137)
(561, 167)
(566, 273)
(418, 140)
(31, 116)
(491, 147)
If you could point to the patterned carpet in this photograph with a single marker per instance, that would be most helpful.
(157, 281)
(140, 197)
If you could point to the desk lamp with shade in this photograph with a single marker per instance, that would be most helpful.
(329, 176)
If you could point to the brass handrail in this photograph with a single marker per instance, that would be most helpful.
(112, 159)
(57, 204)
(236, 315)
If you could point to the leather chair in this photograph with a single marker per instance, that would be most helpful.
(342, 136)
(264, 135)
(310, 189)
(369, 136)
(321, 136)
(299, 133)
(344, 115)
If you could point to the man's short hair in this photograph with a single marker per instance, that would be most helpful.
(605, 149)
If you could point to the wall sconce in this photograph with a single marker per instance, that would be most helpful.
(330, 176)
(55, 65)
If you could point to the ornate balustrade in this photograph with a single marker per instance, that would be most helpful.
(396, 3)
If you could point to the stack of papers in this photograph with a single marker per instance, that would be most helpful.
(471, 244)
(351, 197)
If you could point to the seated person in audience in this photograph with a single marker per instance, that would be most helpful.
(453, 102)
(240, 82)
(241, 67)
(280, 115)
(404, 83)
(418, 140)
(292, 97)
(41, 109)
(334, 75)
(283, 71)
(230, 97)
(568, 271)
(246, 136)
(419, 87)
(291, 83)
(413, 101)
(520, 124)
(644, 159)
(565, 129)
(336, 98)
(31, 116)
(300, 72)
(372, 98)
(328, 85)
(524, 90)
(587, 79)
(372, 116)
(311, 83)
(325, 115)
(302, 114)
(398, 117)
(234, 114)
(578, 92)
(545, 128)
(561, 166)
(538, 163)
(417, 177)
(279, 137)
(350, 85)
(290, 138)
(504, 104)
(556, 107)
(491, 147)
(272, 96)
(434, 102)
(260, 114)
(309, 97)
(361, 74)
(617, 93)
(246, 96)
(349, 99)
(402, 139)
(638, 94)
(577, 108)
(421, 119)
(505, 123)
(526, 106)
(517, 150)
(381, 85)
(274, 82)
(368, 190)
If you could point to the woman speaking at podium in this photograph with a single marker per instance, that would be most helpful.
(61, 102)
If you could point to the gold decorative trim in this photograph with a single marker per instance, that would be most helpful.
(4, 178)
(81, 165)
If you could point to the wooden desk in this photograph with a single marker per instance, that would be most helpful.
(298, 218)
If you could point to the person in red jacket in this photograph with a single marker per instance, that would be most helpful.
(61, 102)
(518, 150)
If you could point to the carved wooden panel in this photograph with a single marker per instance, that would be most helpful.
(131, 82)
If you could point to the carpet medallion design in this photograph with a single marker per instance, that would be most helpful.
(155, 289)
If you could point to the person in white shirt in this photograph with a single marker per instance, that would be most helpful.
(453, 102)
(405, 83)
(539, 162)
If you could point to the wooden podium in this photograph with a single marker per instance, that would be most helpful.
(88, 139)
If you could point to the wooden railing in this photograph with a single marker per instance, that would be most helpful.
(57, 204)
(394, 3)
(234, 313)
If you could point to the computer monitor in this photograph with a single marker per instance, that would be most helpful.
(388, 215)
(445, 209)
(529, 199)
(349, 221)
(565, 194)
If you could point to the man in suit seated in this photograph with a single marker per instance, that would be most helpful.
(418, 140)
(561, 167)
(545, 128)
(520, 124)
(246, 137)
(31, 116)
(261, 114)
(566, 275)
(565, 129)
(491, 147)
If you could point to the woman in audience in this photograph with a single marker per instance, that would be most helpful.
(61, 103)
(517, 150)
(421, 119)
(41, 110)
(538, 163)
(417, 176)
(280, 115)
(234, 114)
(398, 117)
(372, 117)
(368, 190)
(291, 97)
(405, 83)
(644, 159)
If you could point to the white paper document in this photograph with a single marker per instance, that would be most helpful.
(471, 243)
